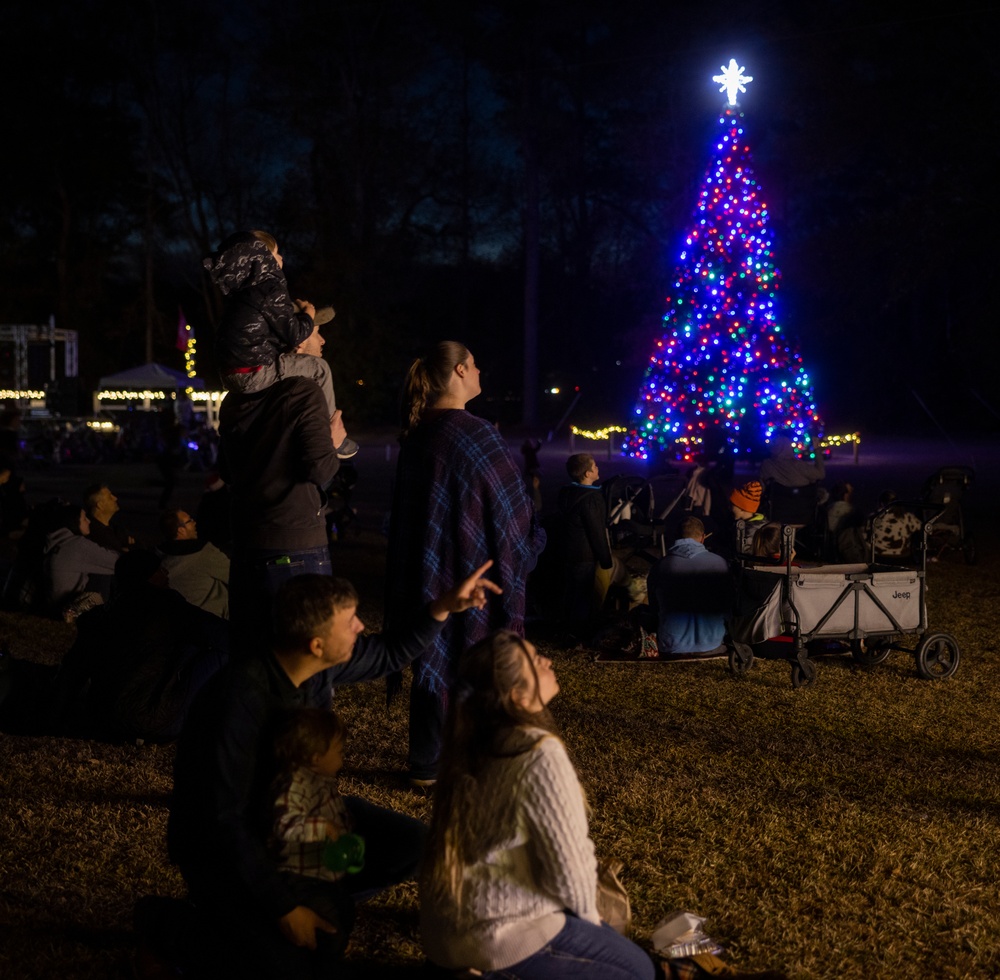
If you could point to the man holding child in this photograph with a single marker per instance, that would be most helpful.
(266, 920)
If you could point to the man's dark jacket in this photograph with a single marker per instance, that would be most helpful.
(278, 459)
(223, 773)
(259, 320)
(584, 531)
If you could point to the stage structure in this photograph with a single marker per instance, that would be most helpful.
(40, 359)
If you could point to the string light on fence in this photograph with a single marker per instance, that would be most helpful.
(598, 435)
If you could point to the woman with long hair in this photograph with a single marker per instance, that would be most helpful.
(509, 882)
(458, 501)
(508, 886)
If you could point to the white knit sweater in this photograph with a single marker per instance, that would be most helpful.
(537, 862)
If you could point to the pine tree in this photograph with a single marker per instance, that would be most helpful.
(723, 370)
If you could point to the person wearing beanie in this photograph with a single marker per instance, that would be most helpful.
(744, 502)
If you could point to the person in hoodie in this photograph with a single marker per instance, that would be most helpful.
(75, 569)
(261, 324)
(588, 565)
(690, 593)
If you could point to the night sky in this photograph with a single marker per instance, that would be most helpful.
(394, 149)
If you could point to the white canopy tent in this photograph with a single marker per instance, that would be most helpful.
(152, 383)
(154, 377)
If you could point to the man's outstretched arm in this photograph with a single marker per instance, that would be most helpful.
(384, 653)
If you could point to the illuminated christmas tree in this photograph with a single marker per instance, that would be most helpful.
(723, 370)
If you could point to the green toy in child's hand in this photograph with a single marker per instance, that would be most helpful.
(346, 853)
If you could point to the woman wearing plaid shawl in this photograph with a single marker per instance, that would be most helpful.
(458, 501)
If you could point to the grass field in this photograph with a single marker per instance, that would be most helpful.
(848, 830)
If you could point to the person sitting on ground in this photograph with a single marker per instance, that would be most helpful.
(138, 661)
(262, 921)
(690, 594)
(589, 567)
(893, 530)
(312, 831)
(77, 572)
(101, 506)
(261, 326)
(509, 883)
(196, 569)
(785, 468)
(508, 886)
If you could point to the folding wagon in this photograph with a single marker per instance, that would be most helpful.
(786, 611)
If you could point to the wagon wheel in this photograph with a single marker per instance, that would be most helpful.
(871, 651)
(937, 656)
(969, 549)
(803, 673)
(740, 659)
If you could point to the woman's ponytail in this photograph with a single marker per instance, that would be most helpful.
(427, 379)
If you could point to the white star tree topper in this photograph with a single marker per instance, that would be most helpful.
(732, 80)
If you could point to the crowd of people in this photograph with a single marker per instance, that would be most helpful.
(231, 636)
(720, 526)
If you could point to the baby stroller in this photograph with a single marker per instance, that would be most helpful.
(631, 516)
(867, 608)
(942, 501)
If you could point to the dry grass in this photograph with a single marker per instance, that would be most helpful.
(849, 830)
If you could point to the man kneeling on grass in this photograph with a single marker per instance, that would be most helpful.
(260, 921)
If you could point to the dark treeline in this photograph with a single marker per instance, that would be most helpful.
(495, 170)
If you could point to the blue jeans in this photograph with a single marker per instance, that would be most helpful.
(582, 951)
(254, 579)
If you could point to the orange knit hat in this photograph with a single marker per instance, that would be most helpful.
(747, 497)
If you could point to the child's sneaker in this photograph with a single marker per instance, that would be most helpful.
(347, 449)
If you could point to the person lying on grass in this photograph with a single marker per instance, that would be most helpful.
(508, 887)
(261, 921)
